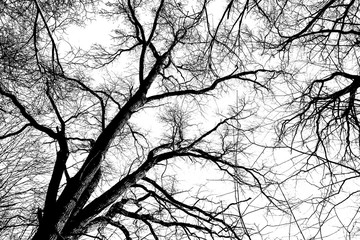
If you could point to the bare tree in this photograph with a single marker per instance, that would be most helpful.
(316, 45)
(110, 178)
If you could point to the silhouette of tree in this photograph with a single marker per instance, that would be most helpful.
(79, 162)
(315, 43)
(104, 142)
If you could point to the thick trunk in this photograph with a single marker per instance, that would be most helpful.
(114, 193)
(110, 196)
(61, 213)
(67, 203)
(70, 225)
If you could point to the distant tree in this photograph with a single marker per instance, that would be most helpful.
(315, 43)
(81, 164)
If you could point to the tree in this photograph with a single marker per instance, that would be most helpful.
(107, 172)
(315, 44)
(94, 142)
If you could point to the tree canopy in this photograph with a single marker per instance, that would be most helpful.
(182, 120)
